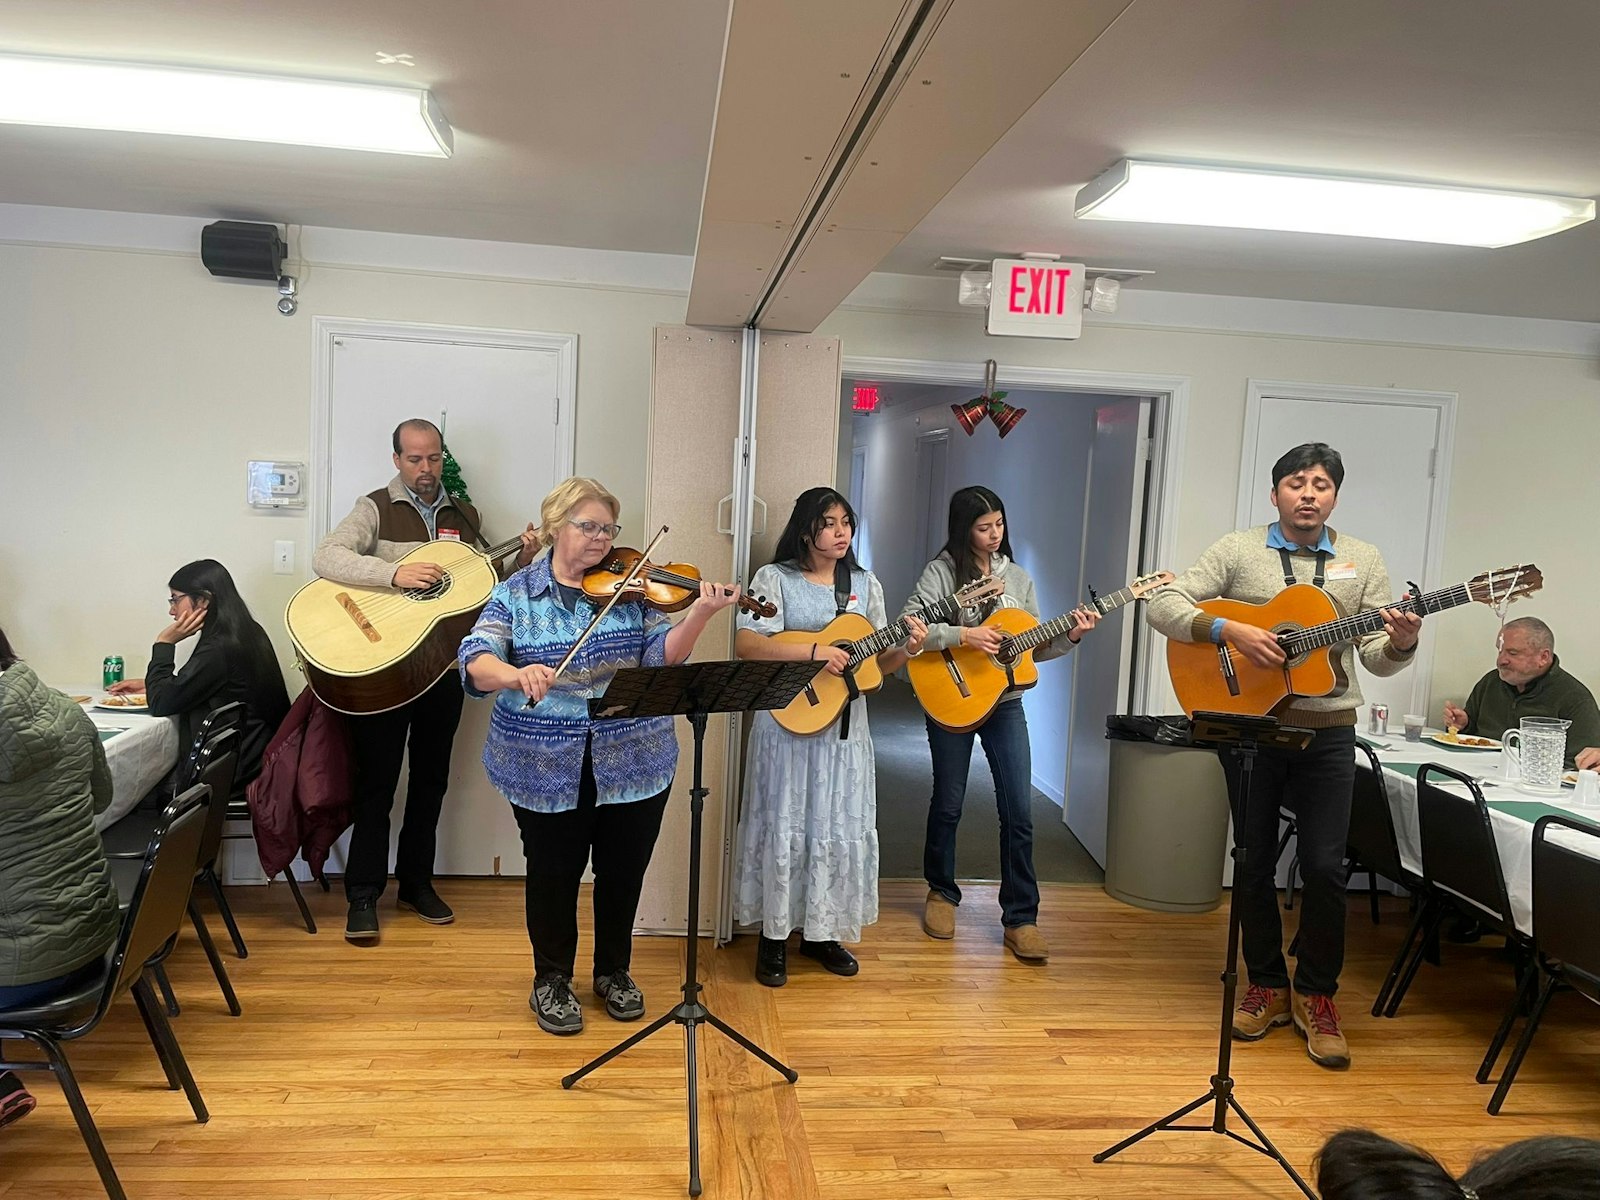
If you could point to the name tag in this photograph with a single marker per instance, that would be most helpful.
(1346, 570)
(454, 535)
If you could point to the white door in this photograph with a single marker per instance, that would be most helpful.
(1102, 665)
(505, 405)
(1394, 447)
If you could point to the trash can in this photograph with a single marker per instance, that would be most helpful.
(1166, 818)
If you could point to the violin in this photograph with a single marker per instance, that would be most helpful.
(669, 587)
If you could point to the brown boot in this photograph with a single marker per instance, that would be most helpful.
(1027, 943)
(1317, 1020)
(1261, 1010)
(938, 917)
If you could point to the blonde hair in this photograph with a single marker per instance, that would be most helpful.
(567, 496)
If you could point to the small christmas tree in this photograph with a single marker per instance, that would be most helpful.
(455, 487)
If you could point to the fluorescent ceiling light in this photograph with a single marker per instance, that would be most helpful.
(221, 104)
(1242, 198)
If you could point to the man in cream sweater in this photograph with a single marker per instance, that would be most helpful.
(1254, 565)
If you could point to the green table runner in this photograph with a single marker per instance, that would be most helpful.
(107, 734)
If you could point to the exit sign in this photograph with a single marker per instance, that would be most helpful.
(1036, 298)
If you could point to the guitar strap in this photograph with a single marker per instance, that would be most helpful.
(477, 534)
(1288, 568)
(841, 601)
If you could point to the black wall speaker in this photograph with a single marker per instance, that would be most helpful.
(242, 249)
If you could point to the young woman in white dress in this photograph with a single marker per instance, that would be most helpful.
(808, 839)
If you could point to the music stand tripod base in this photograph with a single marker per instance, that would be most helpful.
(695, 690)
(1246, 735)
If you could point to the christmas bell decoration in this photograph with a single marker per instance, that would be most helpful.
(991, 404)
(970, 413)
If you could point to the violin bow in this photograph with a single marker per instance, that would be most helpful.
(622, 587)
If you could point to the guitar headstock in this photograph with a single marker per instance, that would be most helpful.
(1145, 584)
(759, 605)
(978, 589)
(1508, 583)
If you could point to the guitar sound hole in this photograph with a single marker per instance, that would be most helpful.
(432, 591)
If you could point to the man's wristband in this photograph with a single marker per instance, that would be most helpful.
(1216, 629)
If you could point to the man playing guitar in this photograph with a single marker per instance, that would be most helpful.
(1253, 566)
(360, 551)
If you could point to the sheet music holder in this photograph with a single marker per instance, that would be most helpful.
(1245, 736)
(695, 690)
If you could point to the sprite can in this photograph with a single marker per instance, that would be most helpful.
(111, 670)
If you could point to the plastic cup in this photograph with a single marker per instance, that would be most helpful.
(1414, 727)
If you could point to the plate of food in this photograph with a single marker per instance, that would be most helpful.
(1463, 741)
(131, 701)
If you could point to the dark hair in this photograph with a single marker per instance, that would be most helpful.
(419, 424)
(810, 509)
(966, 507)
(1305, 456)
(229, 622)
(1357, 1164)
(8, 656)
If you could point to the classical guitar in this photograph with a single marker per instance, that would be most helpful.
(367, 650)
(1311, 631)
(820, 704)
(959, 687)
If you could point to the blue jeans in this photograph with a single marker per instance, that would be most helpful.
(1005, 744)
(24, 995)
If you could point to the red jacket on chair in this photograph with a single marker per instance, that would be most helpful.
(301, 801)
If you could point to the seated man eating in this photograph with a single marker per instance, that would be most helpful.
(1528, 682)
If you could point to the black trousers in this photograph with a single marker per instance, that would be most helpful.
(620, 838)
(1315, 784)
(379, 742)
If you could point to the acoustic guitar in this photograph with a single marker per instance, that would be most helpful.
(368, 650)
(959, 687)
(1311, 631)
(825, 697)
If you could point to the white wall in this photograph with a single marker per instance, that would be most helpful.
(134, 386)
(1523, 468)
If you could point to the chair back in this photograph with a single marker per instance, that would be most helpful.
(1566, 900)
(215, 766)
(161, 897)
(1458, 849)
(1372, 841)
(224, 717)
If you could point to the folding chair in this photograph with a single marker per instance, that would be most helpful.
(215, 765)
(1460, 870)
(157, 908)
(1566, 938)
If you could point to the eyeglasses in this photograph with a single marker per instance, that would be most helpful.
(594, 531)
(171, 600)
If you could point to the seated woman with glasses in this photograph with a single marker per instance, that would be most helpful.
(233, 660)
(578, 787)
(58, 908)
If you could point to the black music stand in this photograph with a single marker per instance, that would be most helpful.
(1246, 735)
(694, 690)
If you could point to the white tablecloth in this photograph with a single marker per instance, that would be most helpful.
(143, 750)
(1513, 832)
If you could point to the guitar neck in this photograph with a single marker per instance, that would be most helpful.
(1049, 631)
(495, 553)
(944, 611)
(1348, 629)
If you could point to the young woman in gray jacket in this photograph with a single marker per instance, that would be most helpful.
(979, 544)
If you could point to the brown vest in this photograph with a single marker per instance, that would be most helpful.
(399, 520)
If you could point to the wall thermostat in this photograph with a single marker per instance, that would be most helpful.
(275, 484)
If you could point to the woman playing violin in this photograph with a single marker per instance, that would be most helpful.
(578, 787)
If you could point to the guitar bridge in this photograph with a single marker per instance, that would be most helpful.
(1225, 655)
(955, 674)
(348, 603)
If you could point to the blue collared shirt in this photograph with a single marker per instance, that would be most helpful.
(1276, 540)
(430, 512)
(534, 756)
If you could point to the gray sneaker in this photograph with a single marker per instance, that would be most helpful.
(624, 1000)
(555, 1006)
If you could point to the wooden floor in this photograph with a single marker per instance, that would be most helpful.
(414, 1068)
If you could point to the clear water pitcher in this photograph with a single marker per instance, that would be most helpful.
(1540, 750)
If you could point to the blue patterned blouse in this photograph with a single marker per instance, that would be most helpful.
(534, 755)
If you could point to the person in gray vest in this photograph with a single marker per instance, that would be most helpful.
(361, 551)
